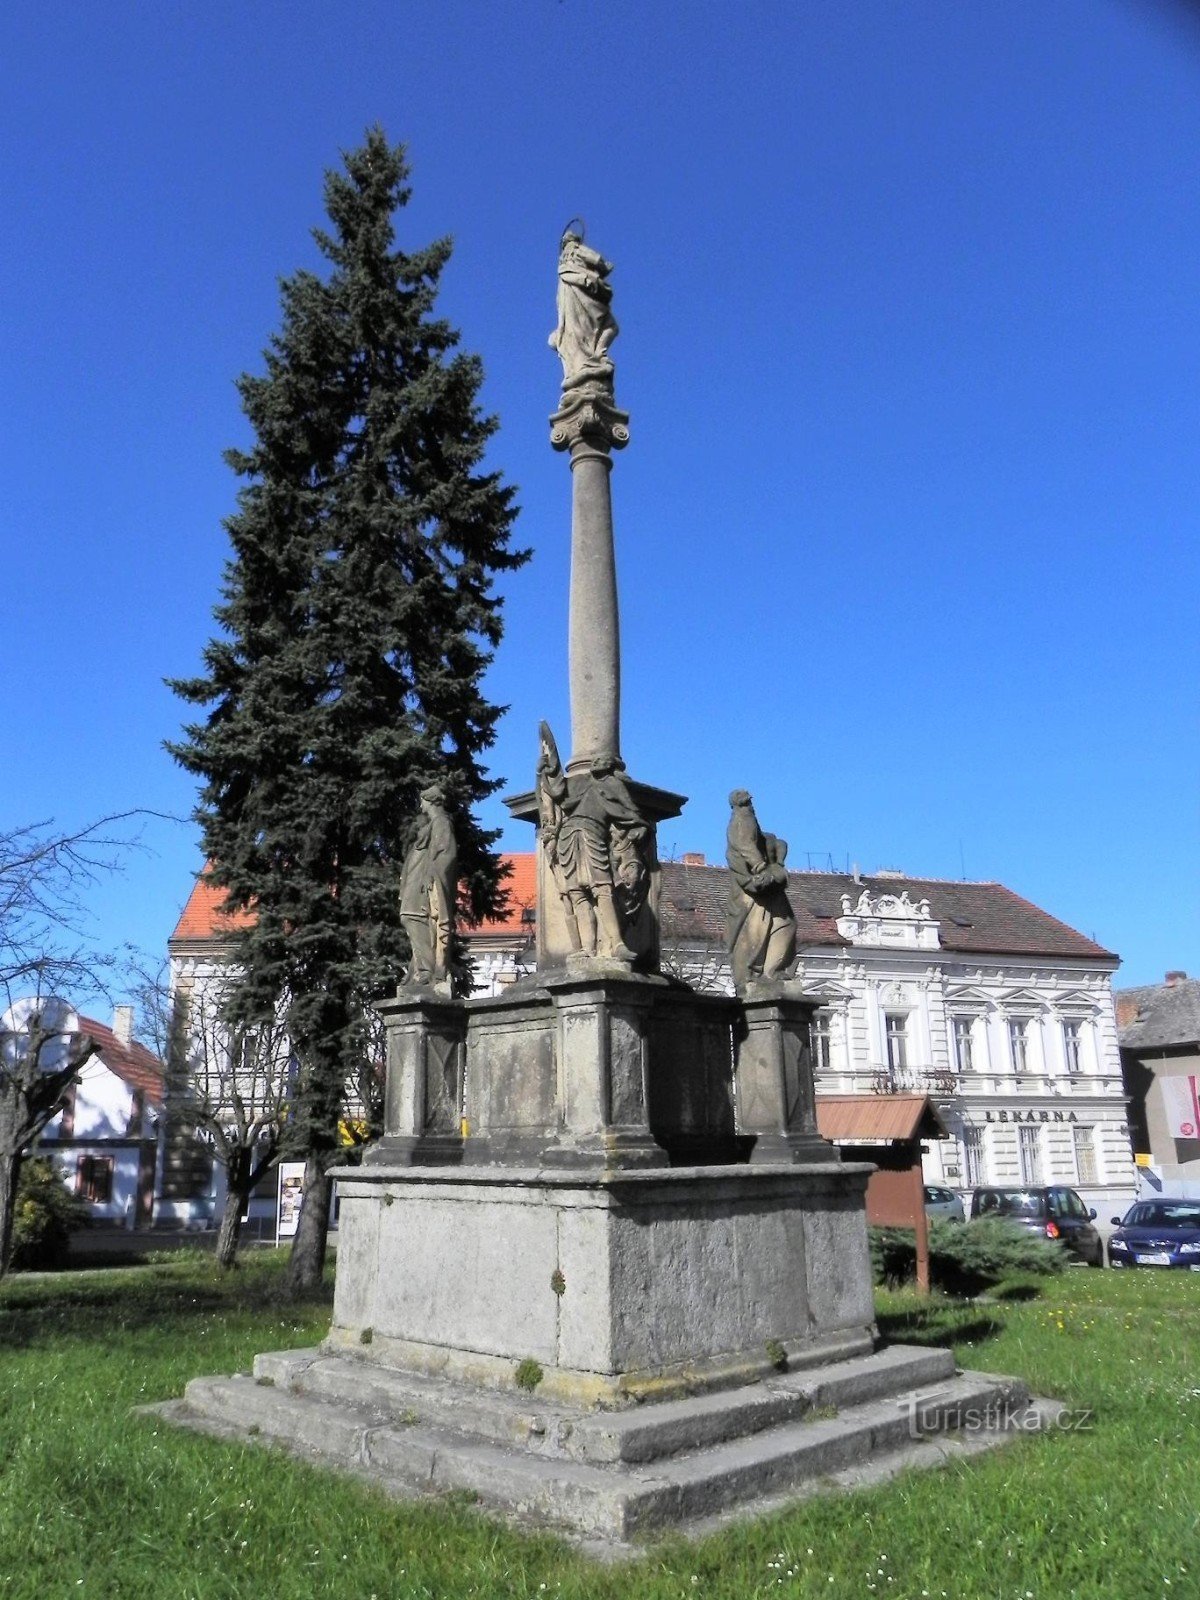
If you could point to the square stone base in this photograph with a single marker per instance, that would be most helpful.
(618, 1285)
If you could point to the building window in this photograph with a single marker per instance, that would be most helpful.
(897, 1042)
(963, 1058)
(1030, 1145)
(820, 1041)
(972, 1143)
(1085, 1155)
(94, 1179)
(1018, 1044)
(1071, 1046)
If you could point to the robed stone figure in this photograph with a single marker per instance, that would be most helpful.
(762, 924)
(428, 885)
(593, 835)
(586, 325)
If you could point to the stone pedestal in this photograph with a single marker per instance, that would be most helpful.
(602, 1039)
(422, 1118)
(621, 1286)
(773, 1077)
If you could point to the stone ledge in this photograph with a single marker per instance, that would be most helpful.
(476, 1370)
(707, 1180)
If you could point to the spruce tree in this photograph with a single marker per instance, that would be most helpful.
(358, 617)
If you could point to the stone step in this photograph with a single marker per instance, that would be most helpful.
(566, 1494)
(673, 1427)
(708, 1481)
(848, 1383)
(640, 1434)
(610, 1502)
(502, 1417)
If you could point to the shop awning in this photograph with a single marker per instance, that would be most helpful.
(878, 1118)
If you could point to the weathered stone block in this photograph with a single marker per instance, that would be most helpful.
(617, 1283)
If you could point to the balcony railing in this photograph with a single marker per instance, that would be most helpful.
(939, 1081)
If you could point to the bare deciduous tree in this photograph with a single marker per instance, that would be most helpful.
(46, 952)
(228, 1087)
(41, 1054)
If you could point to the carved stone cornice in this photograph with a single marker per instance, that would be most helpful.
(589, 417)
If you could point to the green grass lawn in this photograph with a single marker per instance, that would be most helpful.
(95, 1500)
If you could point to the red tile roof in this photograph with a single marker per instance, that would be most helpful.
(521, 887)
(202, 916)
(132, 1062)
(973, 918)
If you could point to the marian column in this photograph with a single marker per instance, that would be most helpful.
(590, 425)
(598, 877)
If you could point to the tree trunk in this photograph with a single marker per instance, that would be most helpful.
(307, 1261)
(10, 1167)
(231, 1228)
(237, 1199)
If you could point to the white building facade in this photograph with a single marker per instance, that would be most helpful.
(963, 991)
(106, 1142)
(1019, 1051)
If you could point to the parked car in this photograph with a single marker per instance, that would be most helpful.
(1157, 1233)
(943, 1204)
(1054, 1211)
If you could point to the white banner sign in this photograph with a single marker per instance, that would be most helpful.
(1181, 1096)
(291, 1192)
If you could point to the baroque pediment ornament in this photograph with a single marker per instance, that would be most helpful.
(888, 919)
(886, 905)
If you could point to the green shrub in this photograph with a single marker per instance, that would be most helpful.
(45, 1216)
(528, 1374)
(964, 1257)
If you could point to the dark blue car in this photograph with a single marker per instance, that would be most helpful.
(1158, 1233)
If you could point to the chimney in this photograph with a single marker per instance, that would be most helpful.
(122, 1024)
(1128, 1011)
(1175, 977)
(693, 858)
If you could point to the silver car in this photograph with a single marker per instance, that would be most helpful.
(943, 1204)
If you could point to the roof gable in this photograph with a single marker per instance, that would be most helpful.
(132, 1062)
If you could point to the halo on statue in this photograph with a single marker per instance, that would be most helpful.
(575, 228)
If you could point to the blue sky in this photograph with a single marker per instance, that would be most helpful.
(909, 304)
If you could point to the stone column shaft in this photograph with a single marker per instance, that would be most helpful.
(591, 427)
(595, 637)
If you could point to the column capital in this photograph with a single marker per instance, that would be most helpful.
(589, 417)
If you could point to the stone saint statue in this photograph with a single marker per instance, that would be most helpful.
(592, 833)
(586, 326)
(428, 885)
(762, 924)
